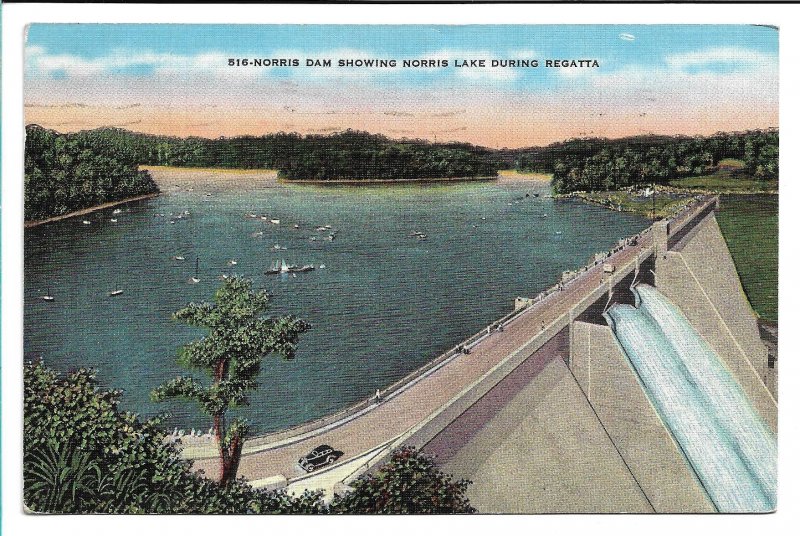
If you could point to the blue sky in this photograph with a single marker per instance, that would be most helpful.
(115, 65)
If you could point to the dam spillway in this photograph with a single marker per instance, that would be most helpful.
(728, 445)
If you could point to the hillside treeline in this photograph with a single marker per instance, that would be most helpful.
(65, 172)
(348, 155)
(591, 165)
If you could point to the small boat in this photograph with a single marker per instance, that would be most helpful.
(296, 226)
(321, 229)
(312, 238)
(276, 222)
(48, 296)
(117, 211)
(196, 278)
(328, 227)
(306, 268)
(87, 222)
(287, 268)
(179, 258)
(321, 266)
(172, 222)
(257, 234)
(116, 292)
(113, 220)
(330, 237)
(232, 262)
(274, 269)
(264, 218)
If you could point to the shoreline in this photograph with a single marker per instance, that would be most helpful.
(89, 210)
(357, 182)
(170, 178)
(643, 210)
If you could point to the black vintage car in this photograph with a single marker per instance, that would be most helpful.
(319, 457)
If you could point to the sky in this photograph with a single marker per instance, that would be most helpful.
(176, 80)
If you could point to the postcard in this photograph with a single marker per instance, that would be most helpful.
(320, 268)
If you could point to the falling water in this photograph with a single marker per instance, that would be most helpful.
(730, 448)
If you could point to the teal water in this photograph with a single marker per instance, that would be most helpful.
(729, 446)
(385, 304)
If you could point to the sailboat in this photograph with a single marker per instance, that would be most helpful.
(196, 278)
(274, 269)
(48, 296)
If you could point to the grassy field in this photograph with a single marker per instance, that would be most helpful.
(750, 226)
(725, 182)
(729, 178)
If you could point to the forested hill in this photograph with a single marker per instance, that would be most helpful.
(348, 155)
(64, 173)
(601, 164)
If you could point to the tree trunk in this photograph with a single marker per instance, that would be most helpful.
(234, 456)
(219, 432)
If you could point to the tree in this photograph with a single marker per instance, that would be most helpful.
(239, 338)
(409, 483)
(83, 455)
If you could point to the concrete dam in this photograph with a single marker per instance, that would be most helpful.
(551, 410)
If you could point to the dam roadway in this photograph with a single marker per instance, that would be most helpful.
(368, 432)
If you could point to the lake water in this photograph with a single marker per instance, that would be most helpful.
(386, 302)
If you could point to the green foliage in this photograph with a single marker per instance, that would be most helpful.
(350, 155)
(593, 165)
(83, 455)
(67, 172)
(238, 339)
(409, 483)
(750, 227)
